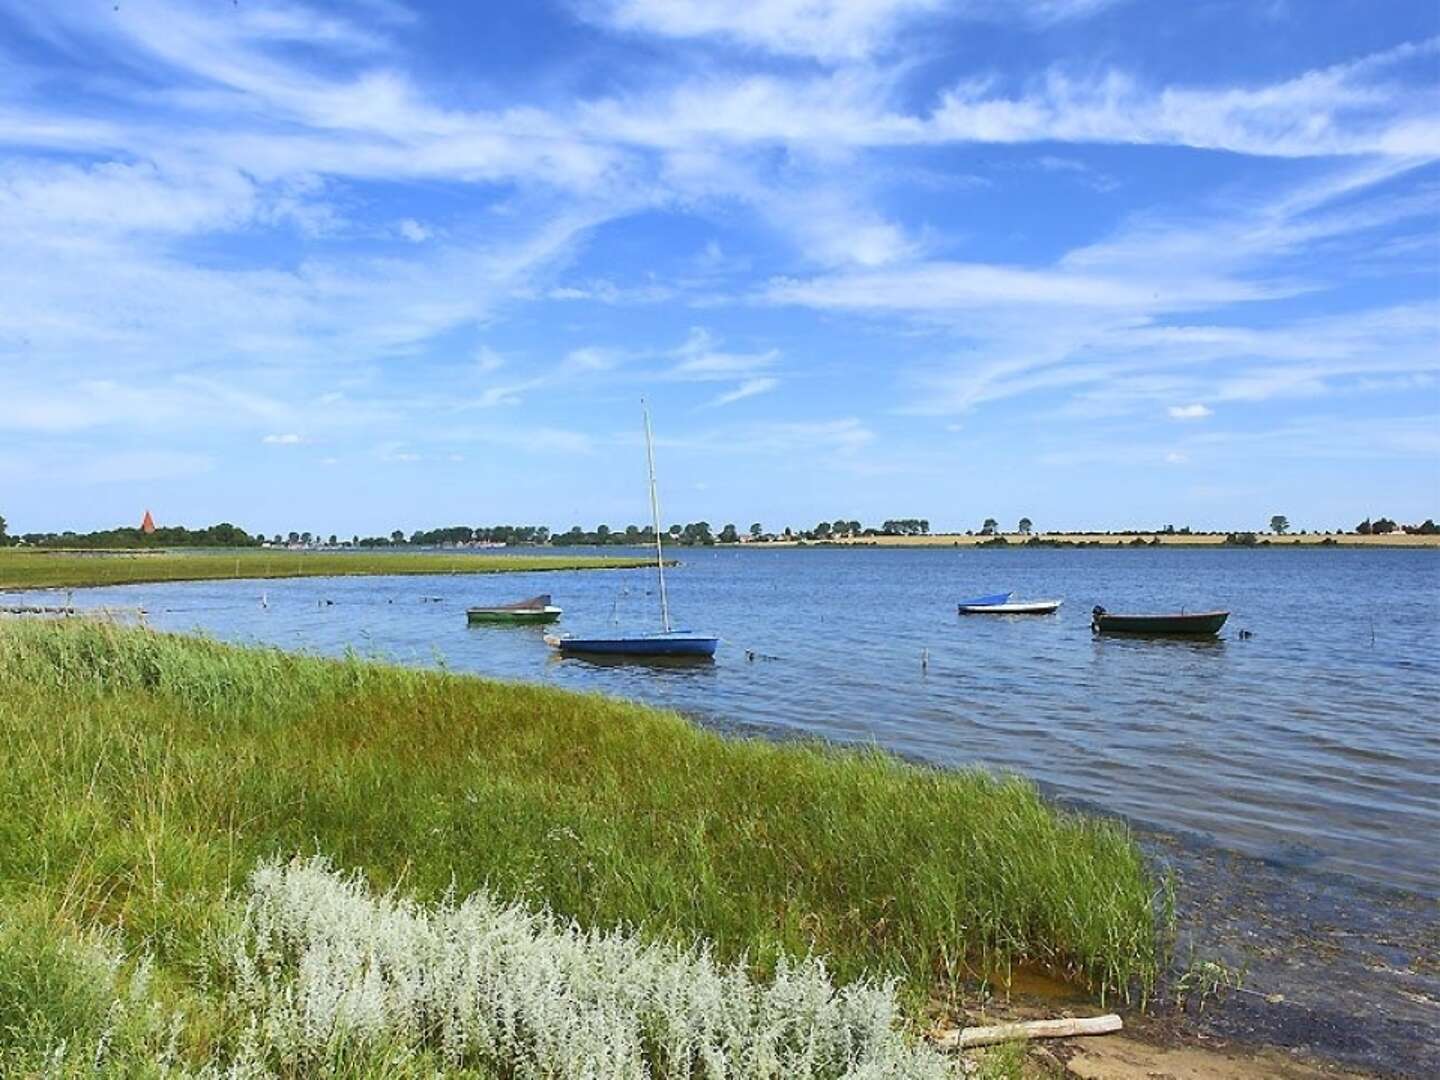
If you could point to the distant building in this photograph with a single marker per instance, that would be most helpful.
(148, 525)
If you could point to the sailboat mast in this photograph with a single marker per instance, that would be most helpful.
(655, 517)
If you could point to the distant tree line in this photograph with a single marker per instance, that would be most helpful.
(696, 532)
(1381, 526)
(480, 534)
(221, 535)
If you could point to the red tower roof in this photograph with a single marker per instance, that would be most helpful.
(148, 525)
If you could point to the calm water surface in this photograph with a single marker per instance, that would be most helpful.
(1313, 744)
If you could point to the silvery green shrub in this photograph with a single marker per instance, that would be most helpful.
(322, 966)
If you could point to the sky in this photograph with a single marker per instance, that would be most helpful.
(352, 267)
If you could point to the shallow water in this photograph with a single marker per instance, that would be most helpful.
(1312, 744)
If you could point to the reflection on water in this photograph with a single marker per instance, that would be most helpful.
(1313, 742)
(700, 664)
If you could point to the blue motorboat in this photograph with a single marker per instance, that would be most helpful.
(665, 644)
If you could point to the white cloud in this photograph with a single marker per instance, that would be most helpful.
(487, 360)
(826, 30)
(748, 388)
(710, 366)
(1336, 110)
(510, 394)
(287, 439)
(701, 361)
(1113, 323)
(413, 231)
(948, 286)
(1189, 412)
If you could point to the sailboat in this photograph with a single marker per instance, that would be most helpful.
(666, 643)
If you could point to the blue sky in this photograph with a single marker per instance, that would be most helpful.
(360, 266)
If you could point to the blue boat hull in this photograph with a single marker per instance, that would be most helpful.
(678, 644)
(986, 601)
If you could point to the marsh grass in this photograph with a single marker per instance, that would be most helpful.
(148, 774)
(46, 569)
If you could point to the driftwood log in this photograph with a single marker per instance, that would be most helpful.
(964, 1038)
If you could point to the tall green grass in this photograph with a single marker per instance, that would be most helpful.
(39, 569)
(147, 774)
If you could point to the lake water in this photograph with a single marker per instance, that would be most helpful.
(1312, 744)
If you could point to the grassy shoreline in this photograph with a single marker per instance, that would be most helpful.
(46, 569)
(149, 774)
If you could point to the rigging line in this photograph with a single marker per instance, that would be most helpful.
(655, 517)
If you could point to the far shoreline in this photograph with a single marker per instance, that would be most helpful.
(1097, 539)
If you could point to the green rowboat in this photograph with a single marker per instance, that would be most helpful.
(1175, 624)
(537, 609)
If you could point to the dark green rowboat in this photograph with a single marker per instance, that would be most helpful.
(537, 609)
(1181, 624)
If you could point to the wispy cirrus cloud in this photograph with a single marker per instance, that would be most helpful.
(834, 30)
(1196, 411)
(825, 30)
(699, 359)
(747, 389)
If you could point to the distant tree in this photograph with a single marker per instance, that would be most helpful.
(729, 535)
(334, 540)
(1384, 525)
(277, 540)
(1279, 524)
(821, 531)
(397, 537)
(756, 531)
(294, 537)
(988, 527)
(305, 538)
(602, 534)
(355, 540)
(1425, 528)
(924, 526)
(1025, 526)
(1365, 528)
